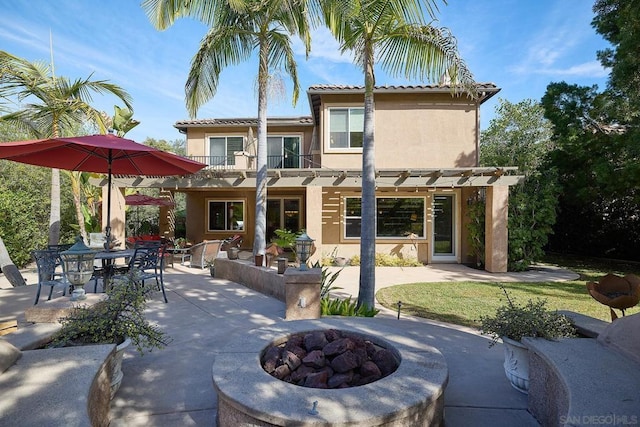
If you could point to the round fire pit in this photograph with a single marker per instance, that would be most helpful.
(411, 395)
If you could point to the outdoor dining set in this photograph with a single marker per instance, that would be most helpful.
(70, 267)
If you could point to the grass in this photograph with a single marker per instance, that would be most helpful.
(463, 303)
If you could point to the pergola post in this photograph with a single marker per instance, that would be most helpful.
(496, 230)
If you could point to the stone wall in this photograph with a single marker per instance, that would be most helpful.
(299, 290)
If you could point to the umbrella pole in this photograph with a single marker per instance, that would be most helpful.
(107, 230)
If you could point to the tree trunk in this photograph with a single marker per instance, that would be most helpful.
(54, 216)
(9, 269)
(259, 242)
(367, 284)
(76, 189)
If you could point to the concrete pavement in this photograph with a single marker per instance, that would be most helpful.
(173, 386)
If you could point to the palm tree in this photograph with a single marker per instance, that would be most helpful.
(393, 33)
(236, 28)
(54, 105)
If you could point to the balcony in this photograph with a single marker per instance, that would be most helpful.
(285, 161)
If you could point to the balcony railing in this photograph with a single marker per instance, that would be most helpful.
(287, 161)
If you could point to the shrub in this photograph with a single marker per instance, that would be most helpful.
(515, 321)
(121, 315)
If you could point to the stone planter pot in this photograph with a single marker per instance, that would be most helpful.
(232, 253)
(339, 261)
(516, 364)
(116, 366)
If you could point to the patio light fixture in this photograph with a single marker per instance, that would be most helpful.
(303, 249)
(78, 267)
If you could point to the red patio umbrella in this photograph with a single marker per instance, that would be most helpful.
(138, 199)
(107, 154)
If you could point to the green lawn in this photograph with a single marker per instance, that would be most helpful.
(463, 303)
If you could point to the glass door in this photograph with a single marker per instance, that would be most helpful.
(282, 214)
(444, 228)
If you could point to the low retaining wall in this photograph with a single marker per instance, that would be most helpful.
(262, 279)
(299, 290)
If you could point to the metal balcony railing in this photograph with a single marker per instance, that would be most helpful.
(286, 161)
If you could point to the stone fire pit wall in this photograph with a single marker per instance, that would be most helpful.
(411, 396)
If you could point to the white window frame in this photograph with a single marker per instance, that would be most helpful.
(327, 138)
(455, 256)
(290, 135)
(227, 202)
(207, 148)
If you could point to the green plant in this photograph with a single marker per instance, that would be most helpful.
(121, 315)
(345, 307)
(338, 306)
(210, 262)
(328, 278)
(515, 321)
(285, 239)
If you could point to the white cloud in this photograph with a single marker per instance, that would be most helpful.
(591, 69)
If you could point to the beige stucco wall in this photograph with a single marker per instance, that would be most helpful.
(435, 131)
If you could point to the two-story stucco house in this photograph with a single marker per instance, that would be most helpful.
(426, 156)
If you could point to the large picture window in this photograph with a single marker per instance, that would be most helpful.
(346, 127)
(396, 217)
(221, 149)
(225, 215)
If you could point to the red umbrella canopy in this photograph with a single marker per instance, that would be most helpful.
(138, 199)
(94, 153)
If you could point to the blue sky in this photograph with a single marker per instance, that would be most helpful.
(520, 45)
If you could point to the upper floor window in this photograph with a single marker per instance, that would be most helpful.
(221, 149)
(225, 215)
(346, 127)
(283, 152)
(396, 217)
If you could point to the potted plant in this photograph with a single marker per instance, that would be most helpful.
(119, 319)
(514, 321)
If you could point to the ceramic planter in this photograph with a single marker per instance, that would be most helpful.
(116, 366)
(516, 364)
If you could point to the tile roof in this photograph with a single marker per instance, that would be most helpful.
(243, 122)
(395, 88)
(486, 90)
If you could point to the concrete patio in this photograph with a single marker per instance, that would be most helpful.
(173, 386)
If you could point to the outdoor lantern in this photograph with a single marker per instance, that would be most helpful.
(78, 267)
(303, 249)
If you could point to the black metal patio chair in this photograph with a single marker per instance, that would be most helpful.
(47, 260)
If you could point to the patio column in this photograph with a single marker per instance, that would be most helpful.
(167, 220)
(496, 230)
(117, 212)
(314, 220)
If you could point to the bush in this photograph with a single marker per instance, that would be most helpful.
(515, 321)
(120, 316)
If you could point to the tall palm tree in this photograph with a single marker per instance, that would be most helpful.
(394, 34)
(50, 106)
(236, 29)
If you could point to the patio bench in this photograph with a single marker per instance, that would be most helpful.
(53, 387)
(586, 381)
(56, 387)
(586, 326)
